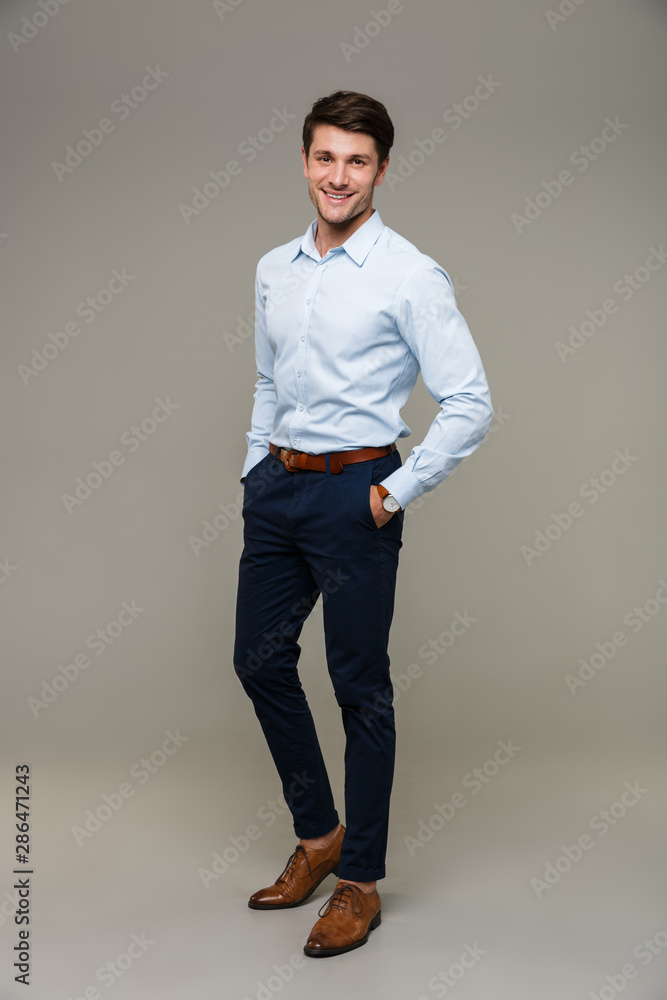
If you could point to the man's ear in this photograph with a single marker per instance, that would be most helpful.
(305, 161)
(381, 172)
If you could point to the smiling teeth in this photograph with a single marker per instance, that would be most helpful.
(338, 197)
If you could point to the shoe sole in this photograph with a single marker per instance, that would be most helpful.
(298, 902)
(325, 953)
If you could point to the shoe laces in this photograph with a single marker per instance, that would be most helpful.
(288, 871)
(342, 896)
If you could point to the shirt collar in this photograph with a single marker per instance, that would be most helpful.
(357, 246)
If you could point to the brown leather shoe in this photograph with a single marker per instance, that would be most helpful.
(302, 874)
(346, 920)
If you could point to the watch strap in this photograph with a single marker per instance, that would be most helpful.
(383, 493)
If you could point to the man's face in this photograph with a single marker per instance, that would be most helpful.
(345, 164)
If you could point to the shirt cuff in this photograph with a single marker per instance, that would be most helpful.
(404, 486)
(255, 455)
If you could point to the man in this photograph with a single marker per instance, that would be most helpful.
(346, 316)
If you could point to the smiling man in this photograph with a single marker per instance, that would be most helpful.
(346, 318)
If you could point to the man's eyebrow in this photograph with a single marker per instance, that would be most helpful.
(353, 156)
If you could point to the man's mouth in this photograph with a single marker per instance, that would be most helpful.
(336, 198)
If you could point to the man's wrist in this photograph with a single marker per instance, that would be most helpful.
(389, 502)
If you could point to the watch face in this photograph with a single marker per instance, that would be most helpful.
(390, 503)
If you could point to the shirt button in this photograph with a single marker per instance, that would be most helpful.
(308, 301)
(303, 338)
(301, 407)
(298, 374)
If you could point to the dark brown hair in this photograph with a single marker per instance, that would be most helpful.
(353, 112)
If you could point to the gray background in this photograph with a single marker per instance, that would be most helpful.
(558, 425)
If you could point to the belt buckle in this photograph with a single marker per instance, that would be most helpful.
(291, 451)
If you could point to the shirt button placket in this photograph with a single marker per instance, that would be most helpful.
(300, 360)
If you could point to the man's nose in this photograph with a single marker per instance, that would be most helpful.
(338, 175)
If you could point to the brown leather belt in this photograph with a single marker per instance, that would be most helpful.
(295, 460)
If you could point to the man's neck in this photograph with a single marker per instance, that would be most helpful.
(328, 235)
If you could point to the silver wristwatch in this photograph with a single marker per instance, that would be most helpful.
(389, 502)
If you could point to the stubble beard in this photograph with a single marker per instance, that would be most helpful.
(355, 208)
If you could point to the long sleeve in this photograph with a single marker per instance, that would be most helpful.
(429, 321)
(261, 424)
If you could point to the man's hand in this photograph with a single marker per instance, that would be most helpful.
(380, 515)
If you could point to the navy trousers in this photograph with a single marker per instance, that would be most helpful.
(308, 533)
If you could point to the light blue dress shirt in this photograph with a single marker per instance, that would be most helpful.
(339, 342)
